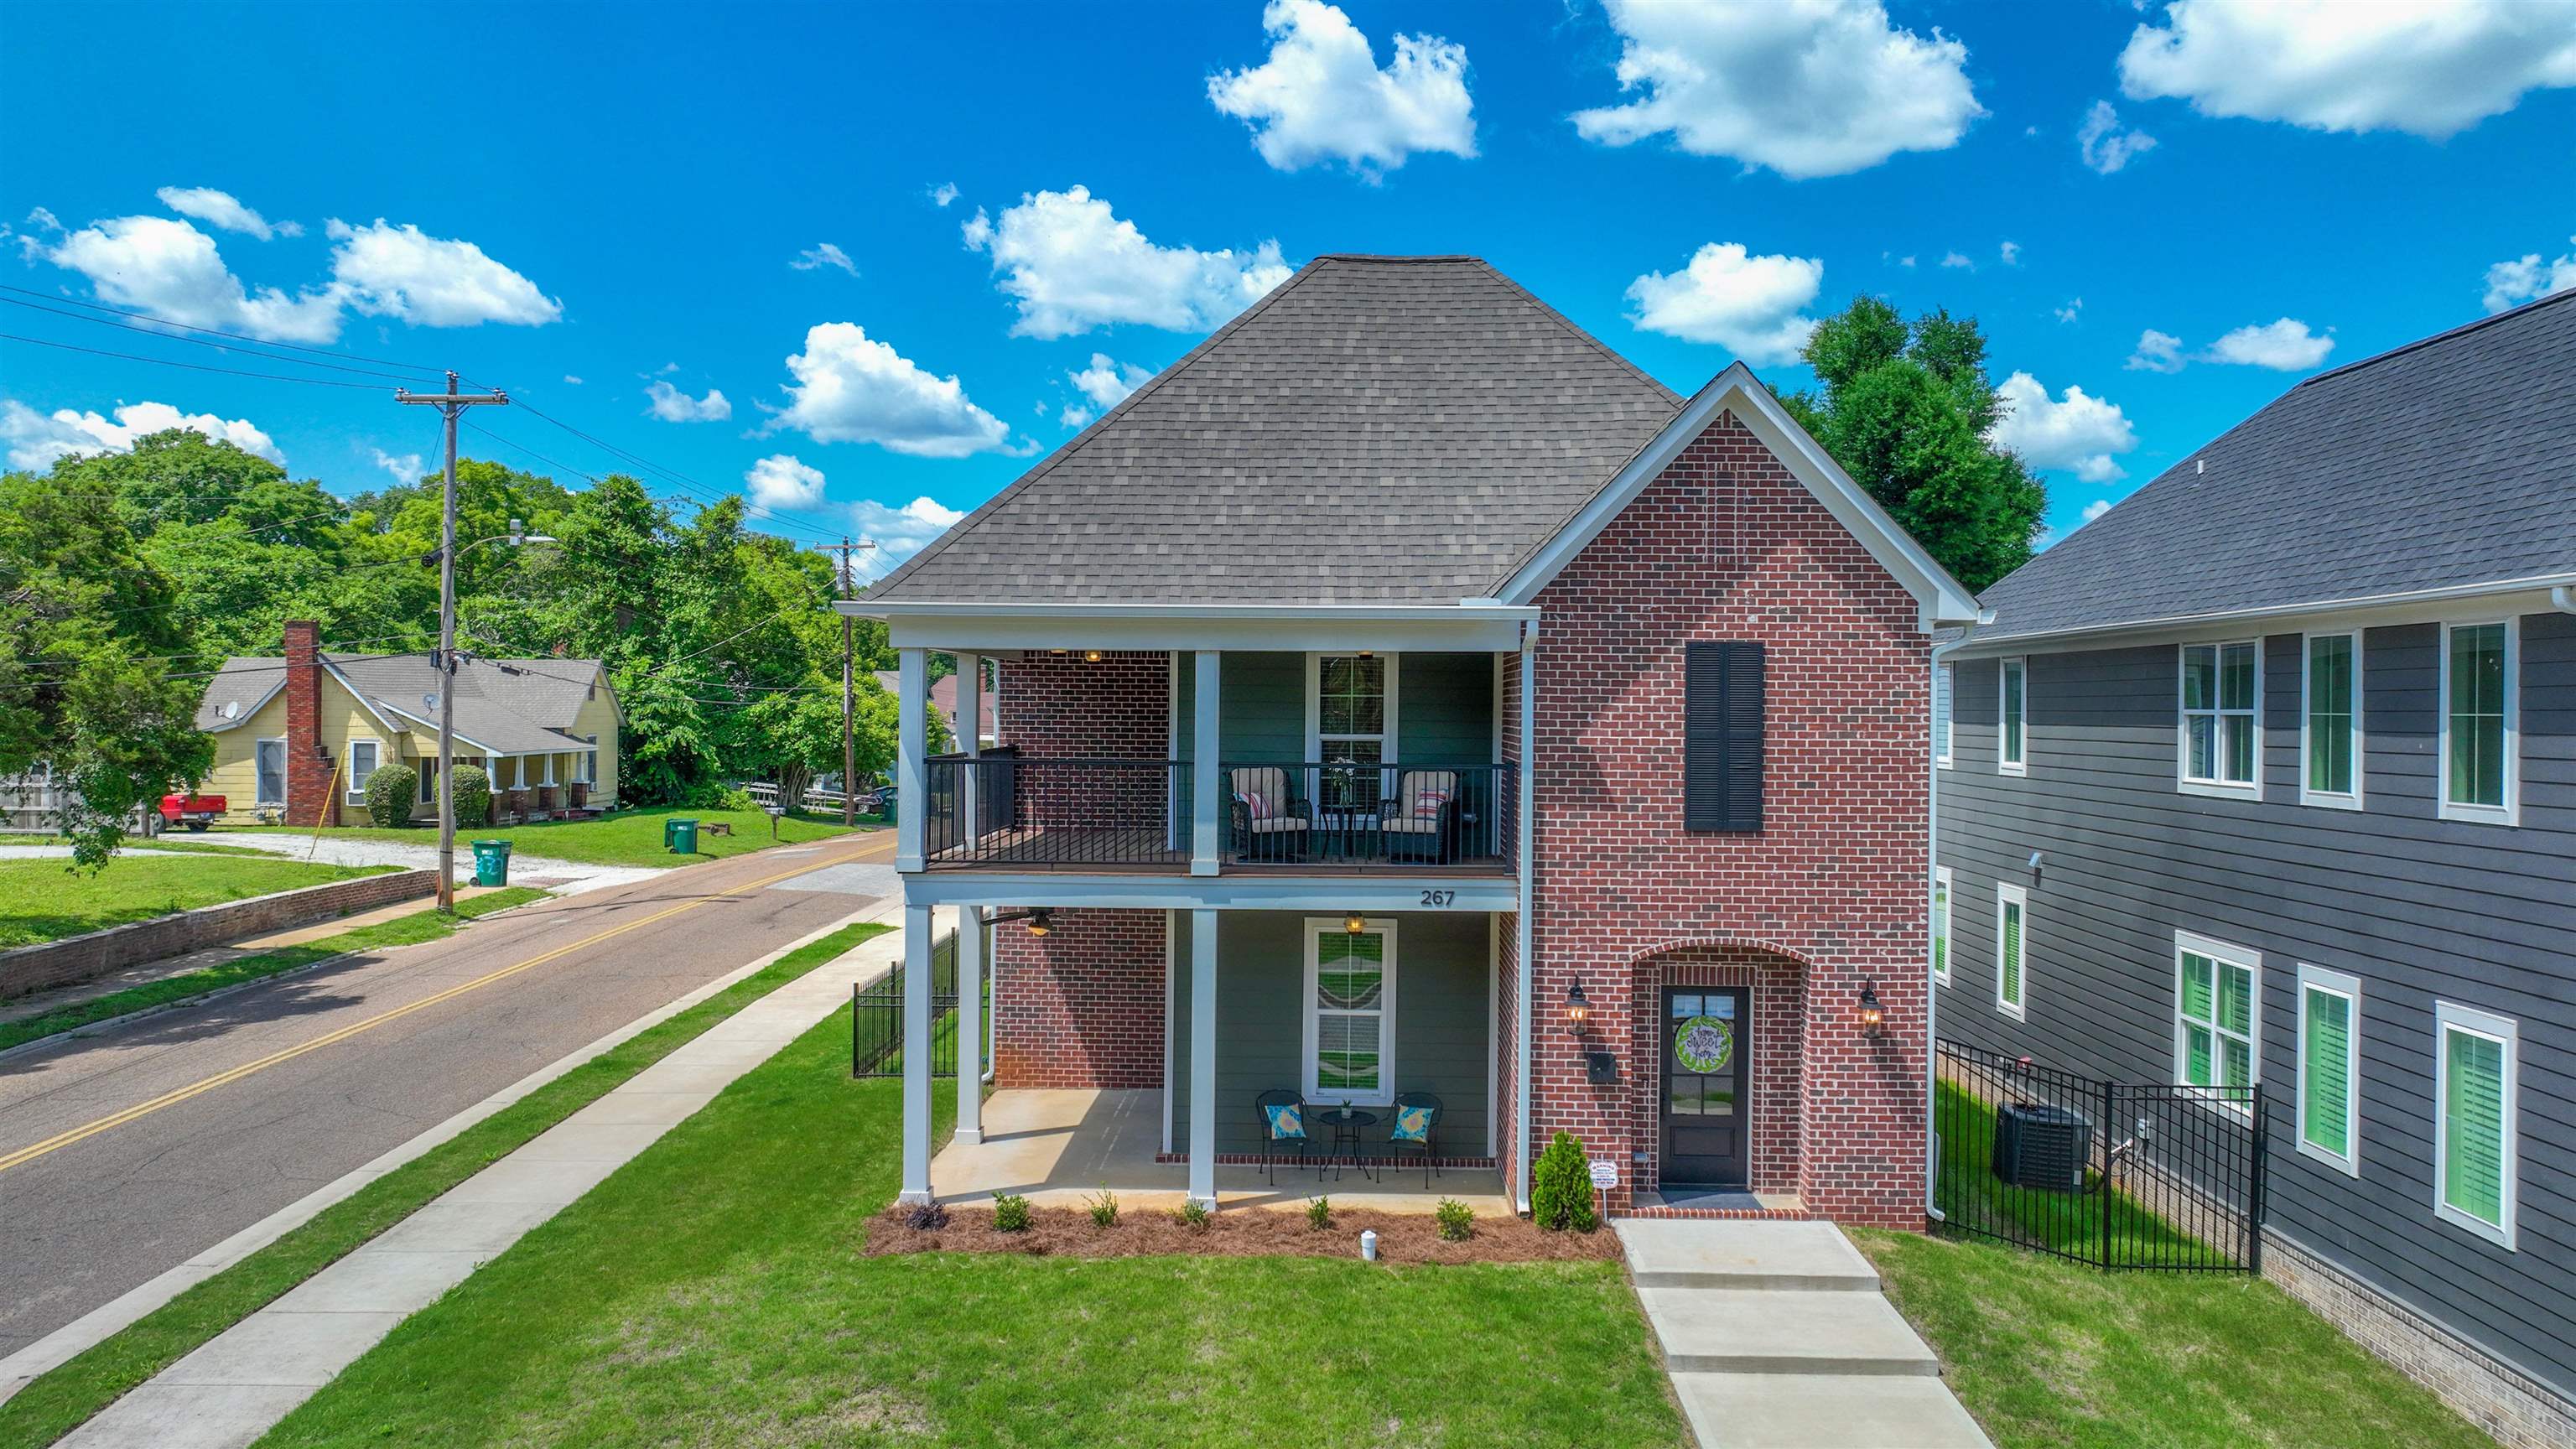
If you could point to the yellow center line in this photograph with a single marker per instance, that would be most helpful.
(173, 1098)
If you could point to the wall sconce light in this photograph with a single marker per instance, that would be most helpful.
(1872, 1015)
(1577, 1010)
(1040, 919)
(1354, 923)
(1090, 656)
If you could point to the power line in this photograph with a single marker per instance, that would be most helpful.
(253, 351)
(219, 332)
(191, 366)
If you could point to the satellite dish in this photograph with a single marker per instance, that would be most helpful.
(429, 701)
(232, 709)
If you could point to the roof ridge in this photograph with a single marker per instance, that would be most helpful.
(2556, 298)
(1074, 444)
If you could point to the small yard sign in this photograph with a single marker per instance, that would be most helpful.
(1605, 1173)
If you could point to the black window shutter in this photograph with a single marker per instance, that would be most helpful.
(1722, 736)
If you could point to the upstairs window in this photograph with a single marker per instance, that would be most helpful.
(2478, 728)
(2330, 733)
(1354, 723)
(2012, 717)
(2220, 739)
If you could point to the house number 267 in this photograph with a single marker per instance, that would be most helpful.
(1439, 898)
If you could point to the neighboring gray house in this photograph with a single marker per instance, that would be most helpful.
(2292, 731)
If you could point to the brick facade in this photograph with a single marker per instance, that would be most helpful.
(1727, 544)
(86, 957)
(1081, 1006)
(1063, 707)
(310, 800)
(1777, 997)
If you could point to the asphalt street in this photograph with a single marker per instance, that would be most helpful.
(126, 1152)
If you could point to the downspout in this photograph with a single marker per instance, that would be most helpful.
(1527, 831)
(2563, 598)
(1932, 882)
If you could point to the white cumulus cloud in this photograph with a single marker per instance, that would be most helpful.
(404, 466)
(2072, 311)
(1804, 87)
(851, 388)
(403, 272)
(2527, 278)
(944, 193)
(674, 406)
(899, 533)
(2430, 67)
(781, 480)
(1072, 265)
(219, 208)
(2011, 252)
(824, 254)
(1748, 304)
(35, 440)
(2104, 145)
(2284, 346)
(2156, 352)
(2096, 509)
(1956, 260)
(2076, 430)
(1321, 96)
(172, 271)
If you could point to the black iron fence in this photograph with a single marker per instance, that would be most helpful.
(1354, 812)
(2113, 1174)
(876, 1018)
(1020, 812)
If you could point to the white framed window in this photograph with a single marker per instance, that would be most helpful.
(1944, 687)
(364, 756)
(268, 759)
(1941, 925)
(1350, 716)
(2218, 1011)
(2330, 749)
(2329, 1118)
(2476, 1155)
(2480, 736)
(2012, 716)
(586, 764)
(1350, 1011)
(2012, 943)
(2222, 728)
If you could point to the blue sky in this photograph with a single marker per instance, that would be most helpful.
(621, 195)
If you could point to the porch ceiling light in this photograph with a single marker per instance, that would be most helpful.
(1090, 656)
(1041, 921)
(1872, 1015)
(1577, 1009)
(1355, 923)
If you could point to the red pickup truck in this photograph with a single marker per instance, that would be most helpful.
(192, 810)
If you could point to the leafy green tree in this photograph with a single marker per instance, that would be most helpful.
(1906, 409)
(92, 663)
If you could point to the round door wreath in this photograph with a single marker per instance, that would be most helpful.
(1705, 1044)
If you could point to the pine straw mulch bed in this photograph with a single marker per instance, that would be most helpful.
(1241, 1233)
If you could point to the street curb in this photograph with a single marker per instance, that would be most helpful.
(86, 1332)
(108, 1023)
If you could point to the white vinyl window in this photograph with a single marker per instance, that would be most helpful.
(586, 764)
(2012, 717)
(2222, 738)
(2012, 942)
(2330, 1068)
(269, 757)
(1350, 1012)
(2479, 732)
(2476, 1166)
(364, 755)
(1941, 925)
(1351, 722)
(1944, 685)
(2217, 1004)
(2330, 750)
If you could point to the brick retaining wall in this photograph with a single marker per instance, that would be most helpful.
(75, 959)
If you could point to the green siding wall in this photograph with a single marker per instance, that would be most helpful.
(1444, 708)
(1443, 1025)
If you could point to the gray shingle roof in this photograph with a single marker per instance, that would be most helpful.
(1376, 430)
(2445, 463)
(513, 706)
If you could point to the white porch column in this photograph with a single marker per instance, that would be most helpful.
(911, 763)
(970, 721)
(916, 1048)
(1526, 836)
(1203, 1106)
(1207, 797)
(970, 1024)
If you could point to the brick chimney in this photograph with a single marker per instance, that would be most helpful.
(310, 800)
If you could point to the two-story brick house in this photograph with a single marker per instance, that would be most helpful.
(1404, 694)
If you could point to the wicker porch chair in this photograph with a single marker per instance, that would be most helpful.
(1420, 819)
(1271, 819)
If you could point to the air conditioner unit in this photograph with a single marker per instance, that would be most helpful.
(2041, 1146)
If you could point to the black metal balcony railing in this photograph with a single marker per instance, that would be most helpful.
(1005, 810)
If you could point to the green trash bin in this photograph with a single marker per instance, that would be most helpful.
(680, 836)
(491, 862)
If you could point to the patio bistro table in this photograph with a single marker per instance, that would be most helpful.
(1346, 1123)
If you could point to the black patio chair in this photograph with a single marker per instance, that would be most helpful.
(1274, 1146)
(1428, 1103)
(1269, 817)
(1420, 820)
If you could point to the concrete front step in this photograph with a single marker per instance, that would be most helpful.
(1738, 1331)
(1800, 1257)
(1825, 1411)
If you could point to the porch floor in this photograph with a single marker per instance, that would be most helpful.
(1059, 1147)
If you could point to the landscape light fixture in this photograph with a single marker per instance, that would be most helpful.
(1872, 1015)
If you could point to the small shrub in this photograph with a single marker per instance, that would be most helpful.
(1010, 1213)
(1457, 1220)
(1319, 1213)
(390, 792)
(926, 1217)
(1104, 1208)
(1192, 1213)
(1561, 1187)
(473, 797)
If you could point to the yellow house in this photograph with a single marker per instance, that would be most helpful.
(298, 735)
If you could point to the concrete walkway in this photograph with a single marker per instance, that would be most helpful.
(238, 1385)
(1777, 1337)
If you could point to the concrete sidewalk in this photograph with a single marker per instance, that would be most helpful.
(1777, 1337)
(236, 1386)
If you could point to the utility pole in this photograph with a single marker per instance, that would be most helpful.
(849, 688)
(449, 404)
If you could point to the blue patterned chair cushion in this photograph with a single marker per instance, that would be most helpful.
(1413, 1124)
(1287, 1123)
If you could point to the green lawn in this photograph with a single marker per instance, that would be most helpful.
(627, 837)
(713, 1292)
(2068, 1222)
(177, 842)
(60, 1401)
(45, 900)
(2052, 1355)
(424, 925)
